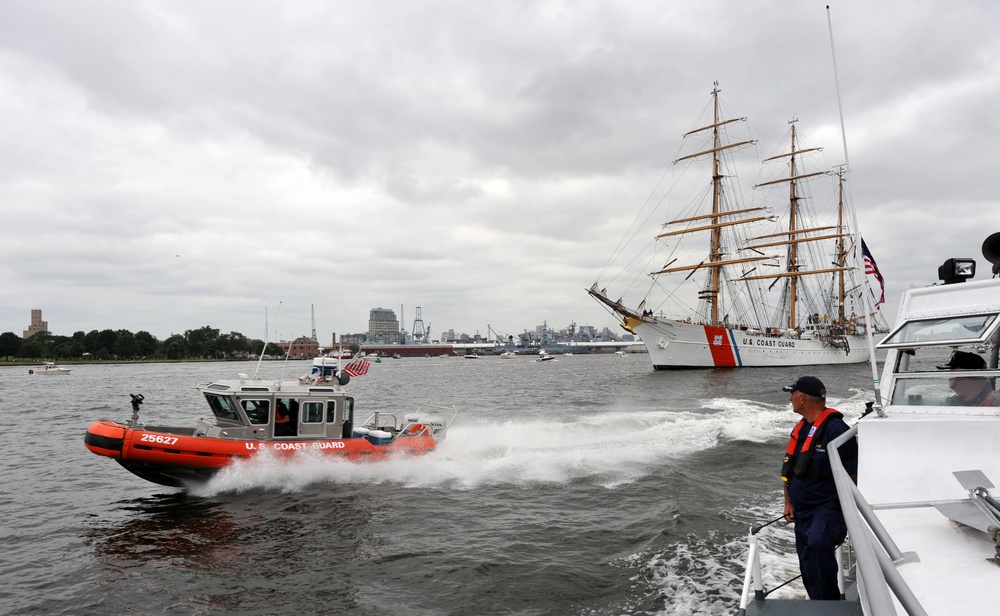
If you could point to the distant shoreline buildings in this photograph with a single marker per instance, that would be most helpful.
(384, 329)
(38, 326)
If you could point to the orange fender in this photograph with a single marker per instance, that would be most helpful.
(105, 438)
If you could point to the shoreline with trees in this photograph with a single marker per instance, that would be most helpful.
(202, 344)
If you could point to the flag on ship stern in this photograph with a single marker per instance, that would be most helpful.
(357, 367)
(872, 269)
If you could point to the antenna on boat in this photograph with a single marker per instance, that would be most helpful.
(284, 364)
(870, 318)
(267, 336)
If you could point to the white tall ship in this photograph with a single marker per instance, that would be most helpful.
(739, 285)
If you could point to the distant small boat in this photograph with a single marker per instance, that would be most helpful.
(472, 356)
(51, 368)
(545, 356)
(508, 354)
(620, 353)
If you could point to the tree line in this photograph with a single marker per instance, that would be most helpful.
(203, 343)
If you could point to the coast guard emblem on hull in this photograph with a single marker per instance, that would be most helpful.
(717, 341)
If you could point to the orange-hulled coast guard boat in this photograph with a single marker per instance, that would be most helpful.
(321, 418)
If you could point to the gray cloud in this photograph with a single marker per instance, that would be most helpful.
(479, 160)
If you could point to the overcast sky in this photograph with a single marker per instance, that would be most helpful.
(170, 165)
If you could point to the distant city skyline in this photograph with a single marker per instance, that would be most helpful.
(38, 324)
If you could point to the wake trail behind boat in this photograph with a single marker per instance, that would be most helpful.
(609, 449)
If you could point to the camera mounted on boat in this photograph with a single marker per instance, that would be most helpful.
(136, 401)
(960, 270)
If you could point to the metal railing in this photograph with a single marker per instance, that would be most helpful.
(876, 554)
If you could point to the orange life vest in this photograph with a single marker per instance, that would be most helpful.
(809, 445)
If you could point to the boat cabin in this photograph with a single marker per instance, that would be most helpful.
(245, 410)
(932, 406)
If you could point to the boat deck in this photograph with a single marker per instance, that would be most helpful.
(800, 607)
(953, 575)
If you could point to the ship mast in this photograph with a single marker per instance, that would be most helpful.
(715, 247)
(793, 249)
(841, 247)
(793, 271)
(715, 261)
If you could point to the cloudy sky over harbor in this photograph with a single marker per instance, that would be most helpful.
(170, 165)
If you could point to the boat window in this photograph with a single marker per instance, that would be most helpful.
(928, 359)
(257, 410)
(222, 407)
(312, 412)
(945, 330)
(958, 388)
(349, 409)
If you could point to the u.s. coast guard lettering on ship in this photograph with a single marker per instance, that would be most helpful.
(769, 342)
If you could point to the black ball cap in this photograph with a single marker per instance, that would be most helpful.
(961, 360)
(809, 385)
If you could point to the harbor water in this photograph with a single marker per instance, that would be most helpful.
(588, 485)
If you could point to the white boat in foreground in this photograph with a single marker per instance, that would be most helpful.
(924, 527)
(773, 287)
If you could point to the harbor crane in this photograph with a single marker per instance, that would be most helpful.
(419, 333)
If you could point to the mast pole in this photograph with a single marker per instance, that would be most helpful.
(715, 250)
(870, 316)
(793, 249)
(841, 247)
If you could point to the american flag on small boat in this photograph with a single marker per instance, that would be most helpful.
(357, 367)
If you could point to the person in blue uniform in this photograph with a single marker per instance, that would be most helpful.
(810, 493)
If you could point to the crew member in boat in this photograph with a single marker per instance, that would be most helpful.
(970, 391)
(282, 419)
(811, 501)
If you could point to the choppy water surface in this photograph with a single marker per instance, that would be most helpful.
(587, 485)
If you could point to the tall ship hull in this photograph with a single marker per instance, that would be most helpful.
(676, 344)
(742, 279)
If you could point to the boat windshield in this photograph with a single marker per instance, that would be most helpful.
(222, 407)
(965, 329)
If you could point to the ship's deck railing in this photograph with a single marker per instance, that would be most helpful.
(876, 554)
